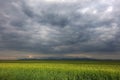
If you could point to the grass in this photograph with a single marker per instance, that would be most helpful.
(59, 70)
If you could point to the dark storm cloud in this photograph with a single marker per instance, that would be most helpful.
(53, 26)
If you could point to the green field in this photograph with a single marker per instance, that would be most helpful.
(59, 70)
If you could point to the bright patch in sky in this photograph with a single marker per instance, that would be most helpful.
(84, 10)
(94, 11)
(30, 56)
(109, 9)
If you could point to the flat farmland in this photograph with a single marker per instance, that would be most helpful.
(59, 70)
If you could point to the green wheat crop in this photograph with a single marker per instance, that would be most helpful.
(59, 70)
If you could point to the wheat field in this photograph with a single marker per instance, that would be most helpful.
(59, 70)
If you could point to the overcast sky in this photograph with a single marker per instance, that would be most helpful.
(60, 28)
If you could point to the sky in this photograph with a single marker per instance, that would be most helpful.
(59, 29)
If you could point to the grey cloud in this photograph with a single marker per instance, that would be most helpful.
(60, 27)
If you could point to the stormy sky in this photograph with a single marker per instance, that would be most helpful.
(60, 28)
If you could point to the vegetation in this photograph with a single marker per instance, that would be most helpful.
(59, 70)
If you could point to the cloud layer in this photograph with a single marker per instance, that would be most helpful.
(60, 26)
